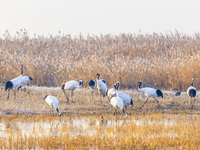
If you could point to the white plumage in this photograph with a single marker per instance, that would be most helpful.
(125, 97)
(25, 80)
(117, 102)
(53, 102)
(111, 93)
(101, 86)
(14, 83)
(191, 91)
(71, 85)
(150, 92)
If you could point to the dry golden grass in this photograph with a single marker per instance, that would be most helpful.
(148, 131)
(89, 124)
(163, 61)
(84, 104)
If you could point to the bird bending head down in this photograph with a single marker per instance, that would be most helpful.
(80, 83)
(98, 74)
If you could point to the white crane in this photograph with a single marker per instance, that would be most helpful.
(117, 101)
(111, 93)
(101, 86)
(92, 85)
(150, 92)
(71, 85)
(191, 92)
(25, 80)
(103, 80)
(53, 102)
(14, 83)
(125, 97)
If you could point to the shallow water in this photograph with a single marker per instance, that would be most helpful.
(85, 126)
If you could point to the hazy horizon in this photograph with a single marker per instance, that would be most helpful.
(99, 17)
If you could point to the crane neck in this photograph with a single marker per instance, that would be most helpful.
(139, 84)
(21, 70)
(117, 86)
(58, 111)
(97, 77)
(192, 82)
(80, 84)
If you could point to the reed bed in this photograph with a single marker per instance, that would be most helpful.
(148, 131)
(165, 61)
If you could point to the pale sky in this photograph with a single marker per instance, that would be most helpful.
(93, 17)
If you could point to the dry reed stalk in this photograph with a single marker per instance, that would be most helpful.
(164, 61)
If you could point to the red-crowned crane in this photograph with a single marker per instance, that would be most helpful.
(25, 80)
(125, 97)
(191, 92)
(117, 101)
(14, 83)
(53, 102)
(150, 92)
(71, 85)
(101, 86)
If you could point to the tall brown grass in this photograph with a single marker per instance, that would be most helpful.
(167, 60)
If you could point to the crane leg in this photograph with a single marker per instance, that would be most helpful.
(193, 103)
(125, 107)
(19, 87)
(72, 96)
(14, 94)
(100, 97)
(28, 87)
(144, 103)
(8, 93)
(66, 95)
(92, 94)
(51, 112)
(115, 111)
(157, 101)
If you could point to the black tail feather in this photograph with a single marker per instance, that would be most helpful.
(9, 85)
(131, 102)
(192, 93)
(30, 78)
(46, 96)
(63, 86)
(159, 93)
